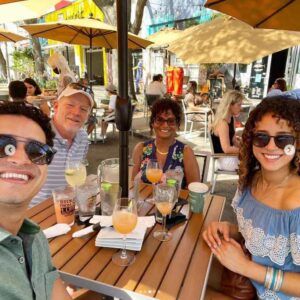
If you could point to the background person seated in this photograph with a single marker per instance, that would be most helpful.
(33, 90)
(156, 86)
(17, 91)
(277, 88)
(223, 134)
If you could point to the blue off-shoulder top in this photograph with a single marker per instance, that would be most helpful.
(272, 236)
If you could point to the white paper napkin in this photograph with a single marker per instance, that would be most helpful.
(109, 237)
(56, 230)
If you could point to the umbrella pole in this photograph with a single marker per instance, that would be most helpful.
(91, 71)
(123, 111)
(234, 74)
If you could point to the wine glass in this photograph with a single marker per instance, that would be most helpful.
(75, 173)
(153, 173)
(124, 221)
(164, 201)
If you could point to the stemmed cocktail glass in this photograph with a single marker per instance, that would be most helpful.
(153, 173)
(164, 201)
(124, 221)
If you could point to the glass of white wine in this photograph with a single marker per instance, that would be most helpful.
(75, 173)
(164, 201)
(124, 221)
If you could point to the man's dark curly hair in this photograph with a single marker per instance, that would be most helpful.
(163, 105)
(29, 111)
(280, 108)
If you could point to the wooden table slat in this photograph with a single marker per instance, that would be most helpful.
(174, 277)
(194, 283)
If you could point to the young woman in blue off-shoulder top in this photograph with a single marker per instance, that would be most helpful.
(267, 203)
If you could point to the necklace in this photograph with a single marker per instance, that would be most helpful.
(161, 153)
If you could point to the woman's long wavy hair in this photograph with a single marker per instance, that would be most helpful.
(230, 98)
(280, 108)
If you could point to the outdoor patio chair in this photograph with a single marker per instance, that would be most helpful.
(204, 114)
(215, 170)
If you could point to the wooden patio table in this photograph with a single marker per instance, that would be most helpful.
(177, 269)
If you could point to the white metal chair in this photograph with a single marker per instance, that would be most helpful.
(215, 170)
(204, 113)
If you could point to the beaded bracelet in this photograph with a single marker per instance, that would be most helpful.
(273, 279)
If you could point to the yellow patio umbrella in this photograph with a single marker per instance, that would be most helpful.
(7, 36)
(272, 14)
(9, 1)
(86, 31)
(227, 40)
(163, 37)
(23, 10)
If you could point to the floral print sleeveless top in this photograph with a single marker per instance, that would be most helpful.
(174, 158)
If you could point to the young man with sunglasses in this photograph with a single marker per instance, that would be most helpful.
(71, 111)
(26, 141)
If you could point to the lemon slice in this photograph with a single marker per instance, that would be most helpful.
(69, 172)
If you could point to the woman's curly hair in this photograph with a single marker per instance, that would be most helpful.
(164, 105)
(280, 108)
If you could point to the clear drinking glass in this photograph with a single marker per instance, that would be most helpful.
(164, 201)
(75, 173)
(124, 221)
(153, 173)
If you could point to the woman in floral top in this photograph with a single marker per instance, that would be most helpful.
(267, 204)
(170, 153)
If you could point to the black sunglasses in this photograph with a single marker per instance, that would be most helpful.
(81, 87)
(161, 121)
(281, 140)
(38, 153)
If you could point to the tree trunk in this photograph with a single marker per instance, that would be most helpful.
(108, 7)
(37, 52)
(3, 66)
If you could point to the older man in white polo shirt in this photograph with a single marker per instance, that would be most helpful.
(71, 111)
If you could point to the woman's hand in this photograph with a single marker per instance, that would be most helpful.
(215, 232)
(231, 255)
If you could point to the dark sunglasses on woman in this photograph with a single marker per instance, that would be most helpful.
(38, 153)
(281, 140)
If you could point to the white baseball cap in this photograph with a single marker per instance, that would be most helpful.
(77, 88)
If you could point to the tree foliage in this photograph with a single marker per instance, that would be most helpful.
(23, 62)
